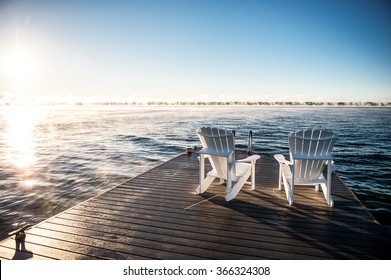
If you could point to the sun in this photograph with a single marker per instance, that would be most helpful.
(18, 66)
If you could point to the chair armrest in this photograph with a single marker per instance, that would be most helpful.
(249, 159)
(215, 153)
(281, 159)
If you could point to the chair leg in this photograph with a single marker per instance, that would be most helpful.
(290, 195)
(288, 187)
(280, 177)
(232, 192)
(252, 176)
(327, 194)
(221, 181)
(292, 187)
(204, 182)
(329, 198)
(326, 188)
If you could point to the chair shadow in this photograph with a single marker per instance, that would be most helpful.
(288, 224)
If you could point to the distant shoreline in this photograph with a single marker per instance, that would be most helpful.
(214, 103)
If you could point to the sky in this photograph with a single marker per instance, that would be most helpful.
(196, 50)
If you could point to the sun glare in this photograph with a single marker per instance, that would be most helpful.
(18, 66)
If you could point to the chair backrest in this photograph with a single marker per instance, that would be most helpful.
(309, 150)
(218, 140)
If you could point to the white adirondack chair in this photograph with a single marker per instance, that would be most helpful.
(310, 150)
(219, 148)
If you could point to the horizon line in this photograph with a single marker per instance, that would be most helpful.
(210, 103)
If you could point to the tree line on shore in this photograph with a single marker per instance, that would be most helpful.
(243, 103)
(207, 103)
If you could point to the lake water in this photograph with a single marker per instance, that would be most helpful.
(53, 157)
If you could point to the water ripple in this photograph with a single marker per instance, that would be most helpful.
(72, 153)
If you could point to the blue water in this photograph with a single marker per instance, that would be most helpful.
(52, 157)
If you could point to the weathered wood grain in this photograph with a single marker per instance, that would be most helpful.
(157, 215)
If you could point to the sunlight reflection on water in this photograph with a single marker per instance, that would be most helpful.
(53, 157)
(18, 134)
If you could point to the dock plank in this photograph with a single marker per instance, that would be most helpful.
(157, 215)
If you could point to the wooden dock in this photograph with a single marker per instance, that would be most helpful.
(157, 215)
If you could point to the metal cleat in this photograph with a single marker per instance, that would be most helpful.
(20, 236)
